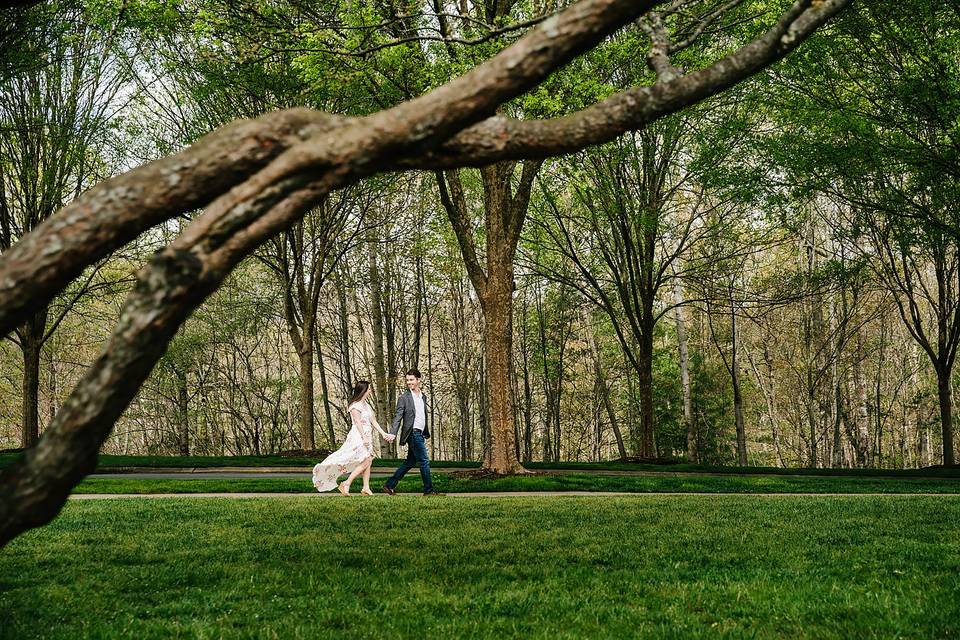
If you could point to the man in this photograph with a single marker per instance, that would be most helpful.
(412, 414)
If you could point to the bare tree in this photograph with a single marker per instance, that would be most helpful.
(923, 272)
(53, 119)
(302, 258)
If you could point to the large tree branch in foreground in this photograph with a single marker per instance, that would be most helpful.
(115, 212)
(169, 288)
(279, 191)
(107, 216)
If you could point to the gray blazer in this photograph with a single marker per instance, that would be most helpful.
(407, 412)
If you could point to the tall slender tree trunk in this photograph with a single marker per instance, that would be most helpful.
(527, 391)
(390, 358)
(811, 403)
(342, 317)
(31, 342)
(547, 387)
(31, 387)
(737, 392)
(307, 439)
(53, 386)
(437, 428)
(860, 430)
(688, 422)
(325, 392)
(463, 405)
(183, 412)
(769, 395)
(376, 320)
(945, 398)
(645, 381)
(838, 419)
(738, 418)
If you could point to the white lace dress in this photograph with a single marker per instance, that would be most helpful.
(356, 448)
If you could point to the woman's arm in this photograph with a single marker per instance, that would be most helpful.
(386, 436)
(356, 416)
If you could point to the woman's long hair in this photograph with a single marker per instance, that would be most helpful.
(359, 390)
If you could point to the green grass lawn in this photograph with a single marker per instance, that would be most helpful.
(575, 482)
(108, 462)
(671, 567)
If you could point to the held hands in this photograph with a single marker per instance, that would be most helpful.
(389, 437)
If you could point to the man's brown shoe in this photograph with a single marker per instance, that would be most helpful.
(387, 490)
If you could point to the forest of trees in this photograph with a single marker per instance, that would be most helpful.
(770, 276)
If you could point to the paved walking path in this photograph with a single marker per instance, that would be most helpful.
(497, 494)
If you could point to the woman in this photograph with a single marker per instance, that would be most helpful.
(356, 455)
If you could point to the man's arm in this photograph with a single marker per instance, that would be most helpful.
(395, 427)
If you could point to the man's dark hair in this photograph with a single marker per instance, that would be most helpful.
(414, 372)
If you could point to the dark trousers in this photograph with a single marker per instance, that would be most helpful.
(416, 456)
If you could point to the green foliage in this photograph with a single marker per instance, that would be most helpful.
(870, 110)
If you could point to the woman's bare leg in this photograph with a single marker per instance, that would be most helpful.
(366, 474)
(353, 476)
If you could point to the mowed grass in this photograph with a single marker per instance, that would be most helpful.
(530, 567)
(575, 482)
(113, 462)
(107, 462)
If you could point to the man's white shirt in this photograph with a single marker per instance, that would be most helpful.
(420, 414)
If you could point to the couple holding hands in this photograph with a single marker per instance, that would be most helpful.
(357, 453)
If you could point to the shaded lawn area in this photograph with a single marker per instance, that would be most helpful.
(576, 482)
(110, 462)
(671, 567)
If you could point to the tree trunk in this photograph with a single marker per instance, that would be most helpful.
(344, 314)
(861, 438)
(837, 454)
(504, 214)
(435, 425)
(31, 342)
(645, 380)
(738, 417)
(384, 402)
(552, 389)
(325, 391)
(500, 456)
(688, 423)
(810, 403)
(389, 389)
(945, 398)
(527, 393)
(306, 393)
(31, 387)
(183, 413)
(737, 393)
(463, 405)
